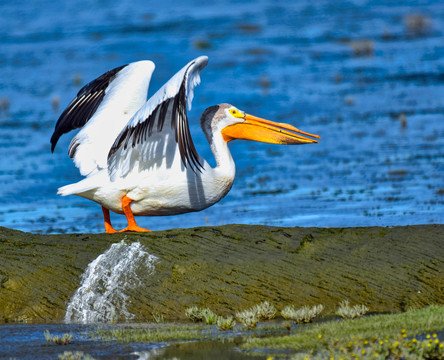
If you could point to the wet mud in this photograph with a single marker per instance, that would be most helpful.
(229, 268)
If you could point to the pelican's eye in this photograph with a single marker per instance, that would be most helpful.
(236, 113)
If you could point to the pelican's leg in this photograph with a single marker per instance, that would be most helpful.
(108, 227)
(132, 225)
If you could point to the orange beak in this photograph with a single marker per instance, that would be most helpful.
(257, 129)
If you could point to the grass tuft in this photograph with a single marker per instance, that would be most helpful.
(225, 323)
(351, 312)
(265, 311)
(248, 318)
(158, 318)
(251, 316)
(304, 314)
(209, 317)
(194, 314)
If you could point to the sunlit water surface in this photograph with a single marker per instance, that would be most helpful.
(377, 104)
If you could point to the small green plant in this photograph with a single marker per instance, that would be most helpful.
(78, 355)
(286, 325)
(247, 317)
(350, 312)
(225, 323)
(304, 314)
(64, 339)
(265, 311)
(206, 315)
(194, 314)
(158, 318)
(209, 317)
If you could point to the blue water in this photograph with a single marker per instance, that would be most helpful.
(378, 105)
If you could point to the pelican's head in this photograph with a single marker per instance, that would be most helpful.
(233, 124)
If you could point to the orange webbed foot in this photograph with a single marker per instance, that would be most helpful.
(132, 225)
(135, 228)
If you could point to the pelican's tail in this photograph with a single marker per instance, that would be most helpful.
(78, 188)
(73, 189)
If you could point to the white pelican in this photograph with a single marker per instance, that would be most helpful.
(138, 157)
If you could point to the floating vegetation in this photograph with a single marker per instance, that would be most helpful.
(350, 312)
(265, 83)
(417, 24)
(304, 314)
(248, 318)
(64, 339)
(225, 323)
(55, 102)
(152, 334)
(349, 100)
(248, 28)
(362, 47)
(265, 311)
(4, 104)
(77, 355)
(202, 44)
(77, 79)
(403, 120)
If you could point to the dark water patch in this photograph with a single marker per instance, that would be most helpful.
(202, 350)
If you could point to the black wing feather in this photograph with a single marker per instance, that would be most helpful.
(83, 107)
(179, 122)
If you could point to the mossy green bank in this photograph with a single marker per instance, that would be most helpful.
(230, 268)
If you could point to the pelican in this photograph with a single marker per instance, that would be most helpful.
(137, 156)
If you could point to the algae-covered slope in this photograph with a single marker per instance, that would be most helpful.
(228, 268)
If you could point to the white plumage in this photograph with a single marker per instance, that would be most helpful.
(138, 157)
(126, 94)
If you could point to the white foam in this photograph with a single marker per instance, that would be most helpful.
(103, 292)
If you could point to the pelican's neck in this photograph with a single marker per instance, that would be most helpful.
(224, 161)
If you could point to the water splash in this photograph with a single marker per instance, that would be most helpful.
(103, 292)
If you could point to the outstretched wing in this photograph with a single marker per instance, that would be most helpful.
(102, 108)
(160, 128)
